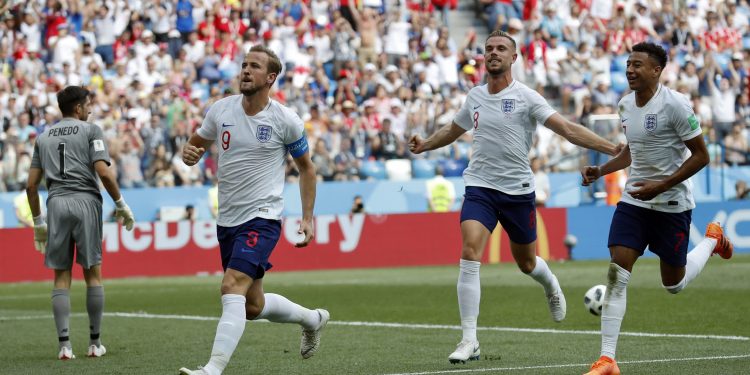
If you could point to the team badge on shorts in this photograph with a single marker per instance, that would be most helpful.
(509, 105)
(263, 133)
(650, 122)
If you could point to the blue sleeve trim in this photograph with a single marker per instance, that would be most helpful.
(298, 147)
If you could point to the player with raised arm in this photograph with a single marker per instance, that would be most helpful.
(499, 182)
(254, 134)
(655, 211)
(69, 155)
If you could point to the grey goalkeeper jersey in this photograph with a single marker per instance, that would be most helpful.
(66, 153)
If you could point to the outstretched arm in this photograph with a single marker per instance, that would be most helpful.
(579, 135)
(355, 13)
(444, 136)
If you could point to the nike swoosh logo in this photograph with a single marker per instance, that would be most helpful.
(477, 106)
(623, 120)
(224, 125)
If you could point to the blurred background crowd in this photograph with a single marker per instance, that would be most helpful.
(363, 75)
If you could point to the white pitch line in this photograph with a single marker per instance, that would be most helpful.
(538, 330)
(162, 316)
(145, 315)
(473, 370)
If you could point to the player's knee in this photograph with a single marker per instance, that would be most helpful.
(526, 266)
(252, 311)
(231, 287)
(469, 252)
(235, 283)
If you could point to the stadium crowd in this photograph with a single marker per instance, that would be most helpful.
(363, 76)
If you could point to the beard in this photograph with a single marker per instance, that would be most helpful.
(252, 90)
(496, 71)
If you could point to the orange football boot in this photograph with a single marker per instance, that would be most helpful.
(723, 247)
(604, 366)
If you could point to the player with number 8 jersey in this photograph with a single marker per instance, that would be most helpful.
(503, 115)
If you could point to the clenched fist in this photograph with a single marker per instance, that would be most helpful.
(590, 174)
(416, 144)
(191, 154)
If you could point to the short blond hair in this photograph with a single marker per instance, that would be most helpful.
(502, 34)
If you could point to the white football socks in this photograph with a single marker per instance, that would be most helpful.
(613, 309)
(228, 332)
(279, 309)
(696, 260)
(542, 274)
(469, 292)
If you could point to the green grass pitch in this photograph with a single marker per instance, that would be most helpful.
(157, 325)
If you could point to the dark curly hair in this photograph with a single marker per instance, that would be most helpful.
(653, 51)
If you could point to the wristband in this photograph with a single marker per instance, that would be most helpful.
(120, 203)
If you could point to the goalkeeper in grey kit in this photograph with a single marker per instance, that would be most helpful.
(69, 155)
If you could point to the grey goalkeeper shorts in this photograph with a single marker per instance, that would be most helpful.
(73, 224)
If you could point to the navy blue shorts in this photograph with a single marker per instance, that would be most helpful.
(516, 213)
(666, 234)
(247, 247)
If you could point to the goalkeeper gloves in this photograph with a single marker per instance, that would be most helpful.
(123, 214)
(40, 234)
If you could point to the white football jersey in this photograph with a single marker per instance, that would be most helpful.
(504, 124)
(252, 152)
(656, 134)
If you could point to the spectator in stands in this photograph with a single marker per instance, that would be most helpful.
(366, 24)
(190, 213)
(722, 96)
(23, 210)
(65, 47)
(736, 145)
(715, 149)
(386, 143)
(358, 206)
(130, 164)
(741, 190)
(441, 194)
(573, 82)
(536, 60)
(603, 94)
(184, 22)
(343, 51)
(552, 24)
(556, 54)
(396, 44)
(346, 164)
(397, 118)
(323, 161)
(159, 173)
